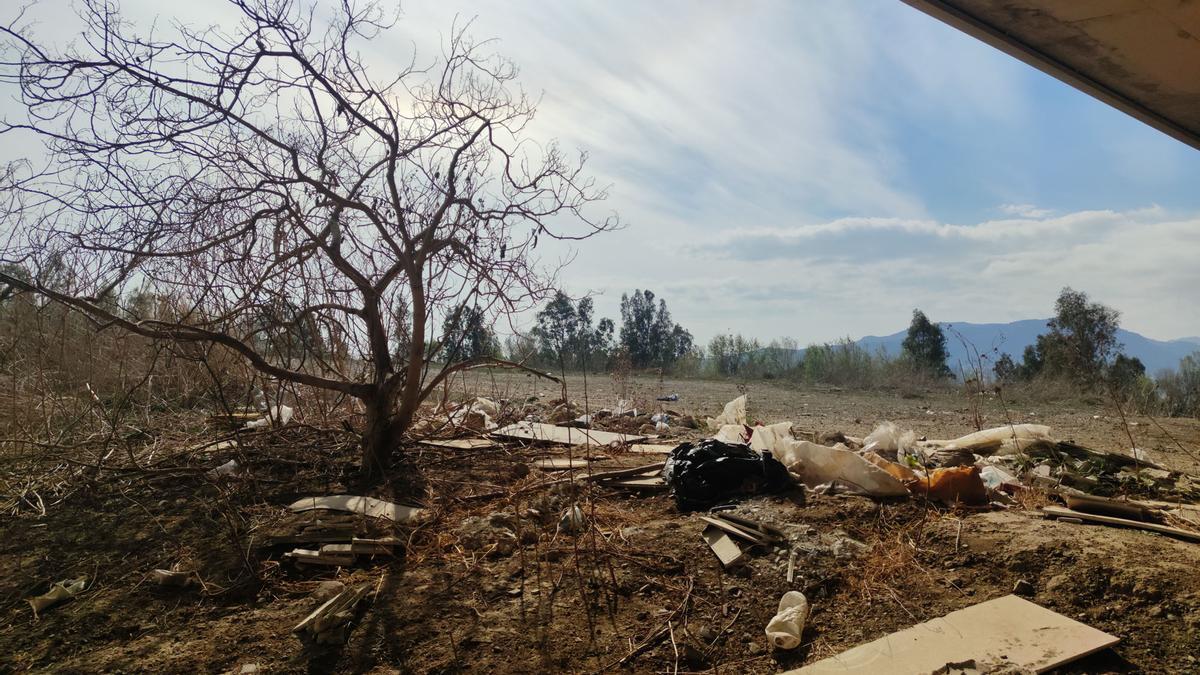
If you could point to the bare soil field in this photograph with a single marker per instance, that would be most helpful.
(490, 580)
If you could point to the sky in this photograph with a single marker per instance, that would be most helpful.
(819, 169)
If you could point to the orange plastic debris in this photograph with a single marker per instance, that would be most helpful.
(955, 484)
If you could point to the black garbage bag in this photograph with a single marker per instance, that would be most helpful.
(705, 473)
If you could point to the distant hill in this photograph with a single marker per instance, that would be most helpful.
(1012, 338)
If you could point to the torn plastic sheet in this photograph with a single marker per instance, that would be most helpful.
(702, 474)
(734, 413)
(819, 465)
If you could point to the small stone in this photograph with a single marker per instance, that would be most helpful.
(754, 648)
(1023, 587)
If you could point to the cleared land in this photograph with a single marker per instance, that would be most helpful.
(460, 596)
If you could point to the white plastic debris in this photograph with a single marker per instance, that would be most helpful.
(993, 477)
(785, 628)
(230, 468)
(734, 413)
(572, 519)
(1003, 440)
(887, 437)
(662, 427)
(279, 415)
(63, 590)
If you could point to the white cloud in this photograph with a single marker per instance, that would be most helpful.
(1025, 210)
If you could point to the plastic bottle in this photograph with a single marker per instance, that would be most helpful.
(785, 628)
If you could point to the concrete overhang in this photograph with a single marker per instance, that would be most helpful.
(1139, 56)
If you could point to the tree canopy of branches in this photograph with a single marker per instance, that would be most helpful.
(925, 346)
(466, 336)
(567, 337)
(260, 172)
(648, 334)
(1080, 344)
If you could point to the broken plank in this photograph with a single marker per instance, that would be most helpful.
(727, 550)
(626, 473)
(1008, 632)
(335, 610)
(651, 449)
(766, 531)
(735, 530)
(315, 558)
(1059, 512)
(367, 506)
(1107, 507)
(649, 484)
(565, 463)
(462, 443)
(549, 433)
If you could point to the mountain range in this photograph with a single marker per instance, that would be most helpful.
(994, 339)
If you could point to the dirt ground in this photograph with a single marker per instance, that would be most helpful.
(459, 597)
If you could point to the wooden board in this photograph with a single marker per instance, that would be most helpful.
(1010, 630)
(564, 463)
(462, 443)
(727, 550)
(735, 530)
(549, 433)
(1059, 512)
(651, 449)
(367, 506)
(641, 484)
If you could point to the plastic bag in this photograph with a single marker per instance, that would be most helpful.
(704, 473)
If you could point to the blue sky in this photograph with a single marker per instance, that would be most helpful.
(818, 169)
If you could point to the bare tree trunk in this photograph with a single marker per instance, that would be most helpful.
(380, 436)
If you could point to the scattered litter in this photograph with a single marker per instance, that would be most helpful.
(785, 628)
(704, 473)
(791, 566)
(329, 623)
(734, 413)
(59, 592)
(367, 506)
(549, 433)
(1059, 512)
(1012, 631)
(669, 397)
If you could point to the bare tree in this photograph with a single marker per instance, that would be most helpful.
(299, 211)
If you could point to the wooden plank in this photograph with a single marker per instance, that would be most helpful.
(462, 443)
(549, 433)
(640, 484)
(367, 506)
(1059, 512)
(735, 530)
(1107, 507)
(651, 449)
(766, 531)
(626, 473)
(727, 550)
(564, 463)
(1009, 631)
